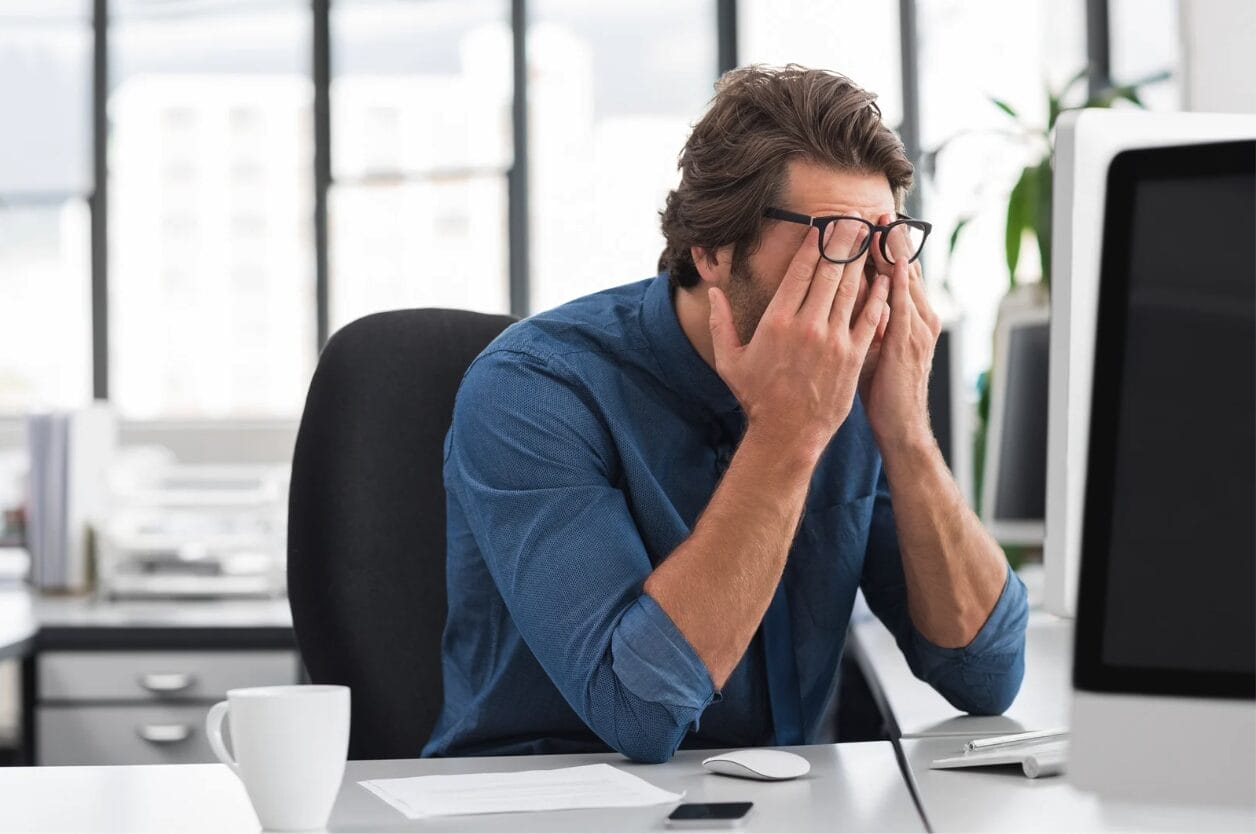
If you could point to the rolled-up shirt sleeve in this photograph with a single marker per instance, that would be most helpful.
(981, 678)
(532, 466)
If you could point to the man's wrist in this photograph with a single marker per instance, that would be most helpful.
(790, 451)
(907, 447)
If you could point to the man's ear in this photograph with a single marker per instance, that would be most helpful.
(713, 265)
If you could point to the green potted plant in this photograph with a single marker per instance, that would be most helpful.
(1028, 210)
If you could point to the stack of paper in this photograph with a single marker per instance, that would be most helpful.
(588, 786)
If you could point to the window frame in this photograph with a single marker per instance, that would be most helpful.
(725, 24)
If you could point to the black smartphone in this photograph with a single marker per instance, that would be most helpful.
(709, 814)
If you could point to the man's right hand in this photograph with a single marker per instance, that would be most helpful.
(797, 377)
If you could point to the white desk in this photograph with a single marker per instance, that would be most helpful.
(851, 787)
(1002, 799)
(89, 612)
(920, 712)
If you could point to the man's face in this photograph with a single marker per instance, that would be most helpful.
(815, 191)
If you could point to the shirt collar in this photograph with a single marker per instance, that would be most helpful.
(682, 368)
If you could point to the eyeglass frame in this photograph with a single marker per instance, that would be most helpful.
(821, 222)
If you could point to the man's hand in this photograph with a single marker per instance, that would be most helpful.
(796, 381)
(894, 383)
(797, 377)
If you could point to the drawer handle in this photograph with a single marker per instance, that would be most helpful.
(167, 681)
(164, 733)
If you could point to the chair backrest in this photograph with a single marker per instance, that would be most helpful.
(366, 517)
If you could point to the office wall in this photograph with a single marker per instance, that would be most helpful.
(1219, 55)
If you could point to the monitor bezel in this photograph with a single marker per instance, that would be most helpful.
(1090, 671)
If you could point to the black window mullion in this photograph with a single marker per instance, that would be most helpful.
(321, 71)
(909, 70)
(517, 177)
(98, 201)
(726, 35)
(1098, 47)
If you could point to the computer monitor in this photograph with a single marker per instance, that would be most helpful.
(949, 408)
(1165, 650)
(1014, 472)
(1085, 143)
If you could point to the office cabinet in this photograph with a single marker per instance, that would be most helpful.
(109, 682)
(183, 676)
(140, 707)
(94, 735)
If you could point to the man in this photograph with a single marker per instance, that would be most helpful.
(663, 497)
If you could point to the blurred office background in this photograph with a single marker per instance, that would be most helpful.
(194, 194)
(185, 217)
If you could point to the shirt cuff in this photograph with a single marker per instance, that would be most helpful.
(1002, 632)
(655, 662)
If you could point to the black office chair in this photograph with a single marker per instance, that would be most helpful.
(366, 517)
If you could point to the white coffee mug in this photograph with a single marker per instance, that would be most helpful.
(290, 745)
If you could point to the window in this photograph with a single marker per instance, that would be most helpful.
(421, 145)
(971, 51)
(45, 315)
(211, 237)
(211, 284)
(45, 228)
(612, 93)
(853, 37)
(1145, 39)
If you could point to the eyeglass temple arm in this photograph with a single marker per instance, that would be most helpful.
(782, 214)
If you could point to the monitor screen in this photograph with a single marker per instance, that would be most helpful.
(1021, 488)
(1167, 602)
(940, 403)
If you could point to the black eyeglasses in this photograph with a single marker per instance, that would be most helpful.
(841, 232)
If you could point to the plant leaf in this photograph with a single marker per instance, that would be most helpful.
(1019, 204)
(1080, 75)
(1042, 218)
(954, 239)
(1153, 78)
(1108, 97)
(1005, 107)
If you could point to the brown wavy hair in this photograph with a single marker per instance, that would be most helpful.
(734, 164)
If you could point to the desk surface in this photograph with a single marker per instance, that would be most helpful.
(851, 787)
(1002, 799)
(89, 612)
(920, 712)
(79, 622)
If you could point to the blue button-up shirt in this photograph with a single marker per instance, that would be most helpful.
(585, 443)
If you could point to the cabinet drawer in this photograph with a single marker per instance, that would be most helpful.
(149, 734)
(165, 676)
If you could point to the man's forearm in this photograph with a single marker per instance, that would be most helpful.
(954, 570)
(718, 583)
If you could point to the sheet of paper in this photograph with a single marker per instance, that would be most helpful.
(587, 786)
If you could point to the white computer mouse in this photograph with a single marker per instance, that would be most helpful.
(768, 765)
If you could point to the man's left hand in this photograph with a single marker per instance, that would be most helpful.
(894, 385)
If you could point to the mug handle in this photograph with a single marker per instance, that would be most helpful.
(213, 729)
